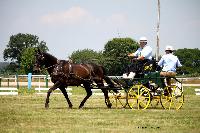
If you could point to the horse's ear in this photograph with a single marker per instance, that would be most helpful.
(38, 51)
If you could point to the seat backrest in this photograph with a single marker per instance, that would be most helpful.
(149, 66)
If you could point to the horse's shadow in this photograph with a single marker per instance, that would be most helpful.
(84, 108)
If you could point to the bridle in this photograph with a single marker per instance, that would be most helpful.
(39, 64)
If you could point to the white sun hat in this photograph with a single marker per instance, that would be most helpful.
(143, 39)
(168, 47)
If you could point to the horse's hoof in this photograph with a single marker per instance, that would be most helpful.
(46, 106)
(70, 107)
(109, 106)
(80, 107)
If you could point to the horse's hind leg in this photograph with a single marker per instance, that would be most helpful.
(109, 81)
(105, 92)
(55, 86)
(89, 93)
(107, 100)
(66, 96)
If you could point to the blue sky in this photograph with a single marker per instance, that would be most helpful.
(70, 25)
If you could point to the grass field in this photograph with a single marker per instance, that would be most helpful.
(26, 113)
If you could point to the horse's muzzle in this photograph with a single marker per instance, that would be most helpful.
(36, 68)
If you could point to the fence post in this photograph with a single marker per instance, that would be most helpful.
(0, 81)
(46, 80)
(8, 82)
(17, 81)
(29, 80)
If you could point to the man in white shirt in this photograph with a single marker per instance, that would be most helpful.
(169, 63)
(144, 53)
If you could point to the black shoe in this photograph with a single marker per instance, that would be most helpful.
(166, 93)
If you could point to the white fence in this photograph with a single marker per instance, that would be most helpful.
(197, 91)
(97, 92)
(45, 80)
(8, 91)
(22, 80)
(41, 81)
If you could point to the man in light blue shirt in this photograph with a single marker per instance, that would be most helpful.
(169, 63)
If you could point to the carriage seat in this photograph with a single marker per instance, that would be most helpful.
(155, 77)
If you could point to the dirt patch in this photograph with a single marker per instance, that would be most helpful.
(191, 81)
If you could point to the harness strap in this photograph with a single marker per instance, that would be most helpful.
(71, 73)
(50, 66)
(70, 69)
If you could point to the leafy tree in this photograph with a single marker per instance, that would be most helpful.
(17, 53)
(86, 56)
(190, 59)
(27, 60)
(11, 68)
(18, 43)
(115, 53)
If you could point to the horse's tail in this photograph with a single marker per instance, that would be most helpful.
(109, 81)
(100, 70)
(104, 70)
(106, 78)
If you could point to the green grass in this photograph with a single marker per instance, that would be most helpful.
(26, 113)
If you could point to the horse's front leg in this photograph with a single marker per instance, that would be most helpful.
(62, 88)
(55, 86)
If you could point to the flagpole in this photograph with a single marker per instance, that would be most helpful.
(157, 35)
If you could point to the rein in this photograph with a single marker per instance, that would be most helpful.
(50, 66)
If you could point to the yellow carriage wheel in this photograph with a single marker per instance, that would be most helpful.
(138, 97)
(172, 98)
(118, 99)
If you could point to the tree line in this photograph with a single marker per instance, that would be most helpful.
(21, 48)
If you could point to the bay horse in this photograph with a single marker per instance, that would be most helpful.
(64, 73)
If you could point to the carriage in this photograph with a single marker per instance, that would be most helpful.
(146, 89)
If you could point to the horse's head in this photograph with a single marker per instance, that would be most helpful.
(44, 59)
(39, 60)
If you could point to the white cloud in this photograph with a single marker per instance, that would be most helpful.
(79, 15)
(70, 16)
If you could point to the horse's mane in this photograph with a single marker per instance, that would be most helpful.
(50, 57)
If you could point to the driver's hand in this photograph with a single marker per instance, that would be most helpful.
(131, 54)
